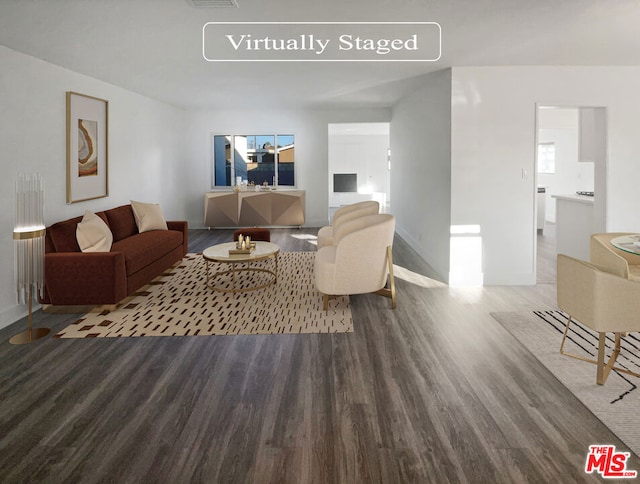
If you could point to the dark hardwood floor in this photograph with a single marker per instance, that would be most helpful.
(434, 391)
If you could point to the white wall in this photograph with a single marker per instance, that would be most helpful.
(311, 157)
(365, 155)
(420, 169)
(145, 141)
(493, 123)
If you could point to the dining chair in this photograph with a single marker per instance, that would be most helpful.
(602, 301)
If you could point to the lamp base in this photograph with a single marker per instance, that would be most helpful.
(29, 335)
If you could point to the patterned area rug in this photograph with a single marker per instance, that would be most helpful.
(179, 303)
(617, 401)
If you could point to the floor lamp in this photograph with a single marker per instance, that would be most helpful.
(28, 236)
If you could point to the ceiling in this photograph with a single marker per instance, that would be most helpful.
(154, 47)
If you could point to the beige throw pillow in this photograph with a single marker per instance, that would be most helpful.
(148, 216)
(93, 234)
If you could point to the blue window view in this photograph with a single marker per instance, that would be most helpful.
(257, 159)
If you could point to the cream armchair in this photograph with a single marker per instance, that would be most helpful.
(360, 260)
(616, 261)
(602, 301)
(344, 214)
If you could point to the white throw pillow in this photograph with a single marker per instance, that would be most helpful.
(93, 234)
(148, 216)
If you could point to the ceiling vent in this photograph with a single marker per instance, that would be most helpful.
(213, 3)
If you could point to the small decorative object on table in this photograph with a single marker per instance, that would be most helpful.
(243, 246)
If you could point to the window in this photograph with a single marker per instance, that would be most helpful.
(546, 158)
(254, 158)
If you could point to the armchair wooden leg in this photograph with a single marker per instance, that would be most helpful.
(602, 369)
(392, 282)
(390, 291)
(564, 337)
(605, 369)
(325, 302)
(600, 375)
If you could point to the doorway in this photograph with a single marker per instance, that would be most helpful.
(571, 184)
(359, 165)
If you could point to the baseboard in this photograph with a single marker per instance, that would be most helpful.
(15, 313)
(51, 309)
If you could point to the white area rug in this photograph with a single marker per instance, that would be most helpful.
(179, 303)
(616, 403)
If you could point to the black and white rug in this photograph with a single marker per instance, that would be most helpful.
(616, 403)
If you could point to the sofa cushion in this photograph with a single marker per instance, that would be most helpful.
(63, 235)
(121, 222)
(93, 234)
(148, 216)
(143, 249)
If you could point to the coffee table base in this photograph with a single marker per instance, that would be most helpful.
(233, 271)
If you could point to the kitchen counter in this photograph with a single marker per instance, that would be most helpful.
(574, 224)
(572, 197)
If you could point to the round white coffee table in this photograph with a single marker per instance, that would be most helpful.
(220, 254)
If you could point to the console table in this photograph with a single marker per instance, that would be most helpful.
(265, 207)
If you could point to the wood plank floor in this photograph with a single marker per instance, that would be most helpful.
(546, 256)
(434, 391)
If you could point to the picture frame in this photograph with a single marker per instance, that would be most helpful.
(87, 147)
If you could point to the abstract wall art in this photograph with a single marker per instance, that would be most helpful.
(87, 147)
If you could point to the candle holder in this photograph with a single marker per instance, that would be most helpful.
(243, 246)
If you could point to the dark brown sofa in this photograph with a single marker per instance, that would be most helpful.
(92, 278)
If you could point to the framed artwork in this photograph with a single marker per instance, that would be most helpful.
(87, 147)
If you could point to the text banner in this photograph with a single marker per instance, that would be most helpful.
(321, 41)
